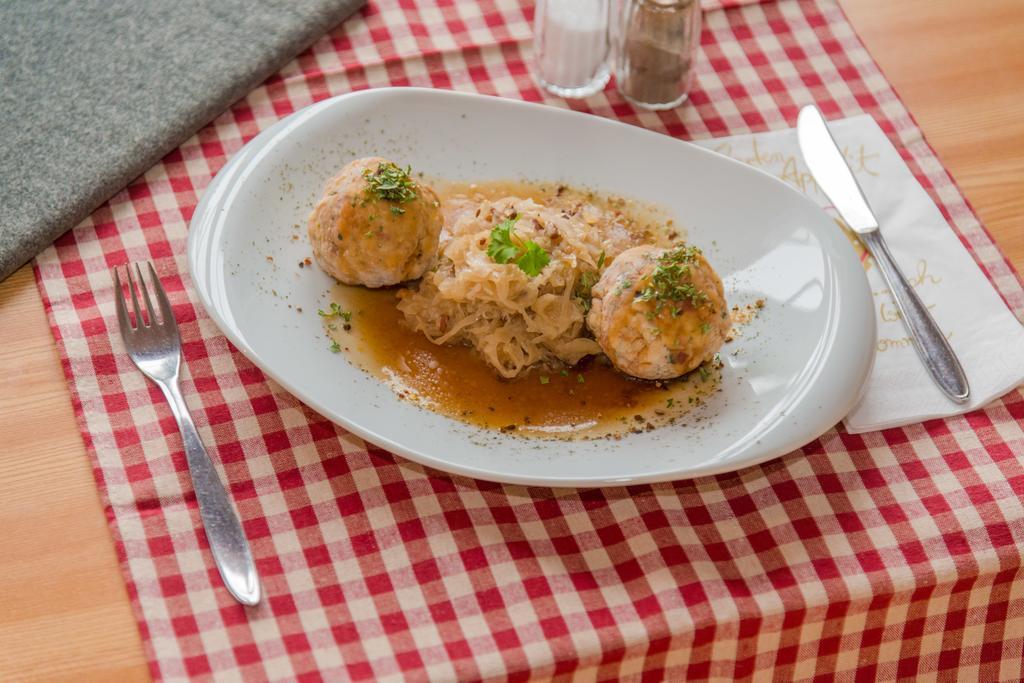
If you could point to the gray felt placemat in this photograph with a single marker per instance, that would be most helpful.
(93, 93)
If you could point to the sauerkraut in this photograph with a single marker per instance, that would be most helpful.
(512, 319)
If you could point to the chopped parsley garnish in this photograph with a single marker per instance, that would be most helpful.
(669, 403)
(397, 211)
(579, 378)
(335, 347)
(705, 327)
(704, 372)
(505, 246)
(669, 284)
(335, 312)
(544, 379)
(390, 183)
(586, 283)
(582, 290)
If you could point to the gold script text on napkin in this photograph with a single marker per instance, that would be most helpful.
(787, 168)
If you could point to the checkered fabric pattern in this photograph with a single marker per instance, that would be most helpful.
(886, 555)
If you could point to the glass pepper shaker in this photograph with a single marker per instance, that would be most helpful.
(572, 46)
(657, 47)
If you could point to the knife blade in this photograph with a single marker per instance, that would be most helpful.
(831, 172)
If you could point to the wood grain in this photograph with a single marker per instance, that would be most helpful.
(64, 611)
(959, 68)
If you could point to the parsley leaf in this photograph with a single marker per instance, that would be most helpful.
(504, 247)
(533, 259)
(501, 248)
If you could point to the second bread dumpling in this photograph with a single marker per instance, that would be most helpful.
(659, 313)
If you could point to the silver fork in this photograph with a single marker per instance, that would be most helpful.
(155, 348)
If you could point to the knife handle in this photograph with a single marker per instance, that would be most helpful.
(929, 342)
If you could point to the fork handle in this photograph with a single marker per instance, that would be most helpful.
(223, 530)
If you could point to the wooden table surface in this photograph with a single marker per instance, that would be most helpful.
(64, 611)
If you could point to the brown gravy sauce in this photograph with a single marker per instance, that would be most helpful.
(590, 400)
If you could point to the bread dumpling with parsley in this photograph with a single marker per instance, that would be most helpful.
(659, 313)
(375, 225)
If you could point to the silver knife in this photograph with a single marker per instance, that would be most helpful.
(834, 177)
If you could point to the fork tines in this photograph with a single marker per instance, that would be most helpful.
(136, 284)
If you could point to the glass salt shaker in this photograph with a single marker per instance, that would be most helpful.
(657, 47)
(572, 46)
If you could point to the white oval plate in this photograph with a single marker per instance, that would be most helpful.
(801, 363)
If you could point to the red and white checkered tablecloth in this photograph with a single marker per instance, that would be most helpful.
(878, 556)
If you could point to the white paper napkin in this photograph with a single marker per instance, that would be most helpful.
(985, 335)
